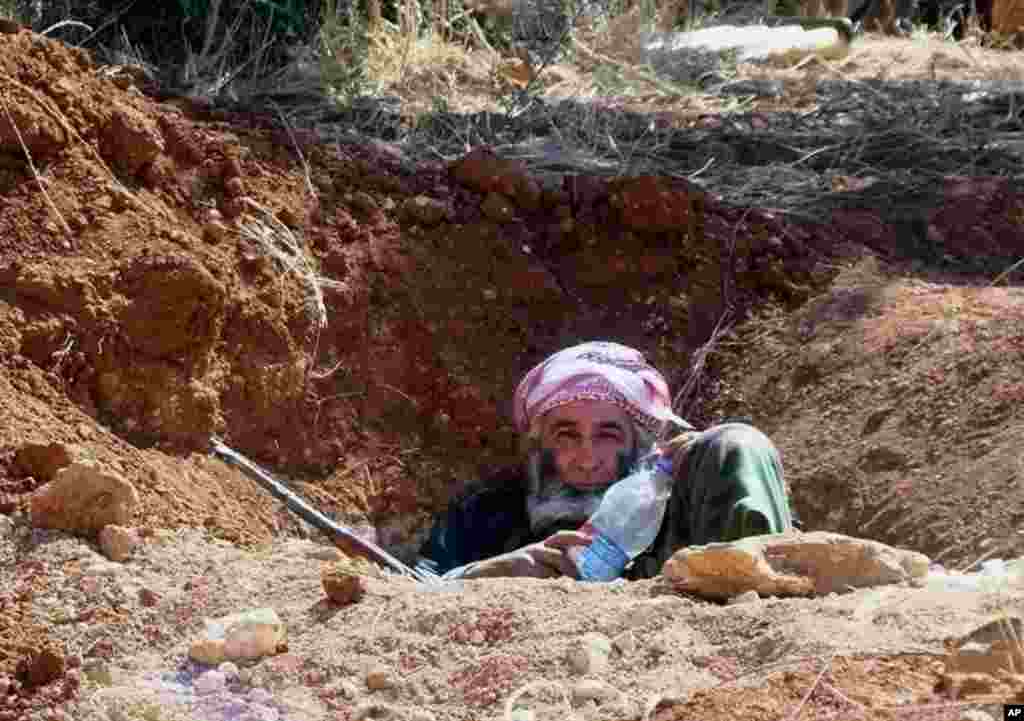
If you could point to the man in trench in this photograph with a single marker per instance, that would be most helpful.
(587, 415)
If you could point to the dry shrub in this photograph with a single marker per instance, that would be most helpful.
(204, 47)
(428, 72)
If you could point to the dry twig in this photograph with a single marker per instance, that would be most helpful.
(803, 702)
(35, 171)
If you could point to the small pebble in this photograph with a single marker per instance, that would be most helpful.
(259, 695)
(210, 682)
(101, 568)
(745, 597)
(325, 553)
(374, 710)
(234, 187)
(98, 671)
(214, 232)
(6, 527)
(590, 654)
(591, 690)
(342, 586)
(379, 678)
(975, 714)
(625, 643)
(348, 689)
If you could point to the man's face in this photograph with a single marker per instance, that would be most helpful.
(586, 438)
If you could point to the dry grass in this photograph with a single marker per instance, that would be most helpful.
(279, 242)
(429, 71)
(35, 172)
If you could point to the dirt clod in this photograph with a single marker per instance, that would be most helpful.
(342, 586)
(41, 666)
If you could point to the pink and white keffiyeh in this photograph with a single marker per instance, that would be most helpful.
(598, 370)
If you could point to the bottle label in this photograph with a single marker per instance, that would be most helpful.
(602, 560)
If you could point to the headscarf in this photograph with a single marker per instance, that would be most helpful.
(602, 371)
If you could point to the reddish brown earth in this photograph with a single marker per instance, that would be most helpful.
(138, 316)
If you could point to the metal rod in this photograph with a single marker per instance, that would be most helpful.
(298, 506)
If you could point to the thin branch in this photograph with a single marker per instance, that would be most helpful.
(803, 702)
(35, 172)
(298, 149)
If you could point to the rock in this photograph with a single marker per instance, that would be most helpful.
(98, 672)
(208, 650)
(231, 167)
(745, 597)
(210, 682)
(214, 232)
(625, 643)
(148, 598)
(361, 200)
(41, 460)
(41, 666)
(131, 139)
(991, 648)
(117, 542)
(376, 710)
(234, 187)
(498, 208)
(9, 26)
(960, 685)
(522, 714)
(240, 636)
(103, 648)
(652, 204)
(421, 715)
(342, 586)
(591, 690)
(260, 695)
(325, 553)
(590, 654)
(22, 127)
(100, 567)
(379, 678)
(791, 564)
(425, 211)
(485, 172)
(81, 498)
(975, 714)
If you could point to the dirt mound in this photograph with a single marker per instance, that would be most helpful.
(896, 402)
(358, 324)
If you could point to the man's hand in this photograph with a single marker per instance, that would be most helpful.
(678, 447)
(553, 557)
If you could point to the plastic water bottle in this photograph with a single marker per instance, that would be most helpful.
(626, 522)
